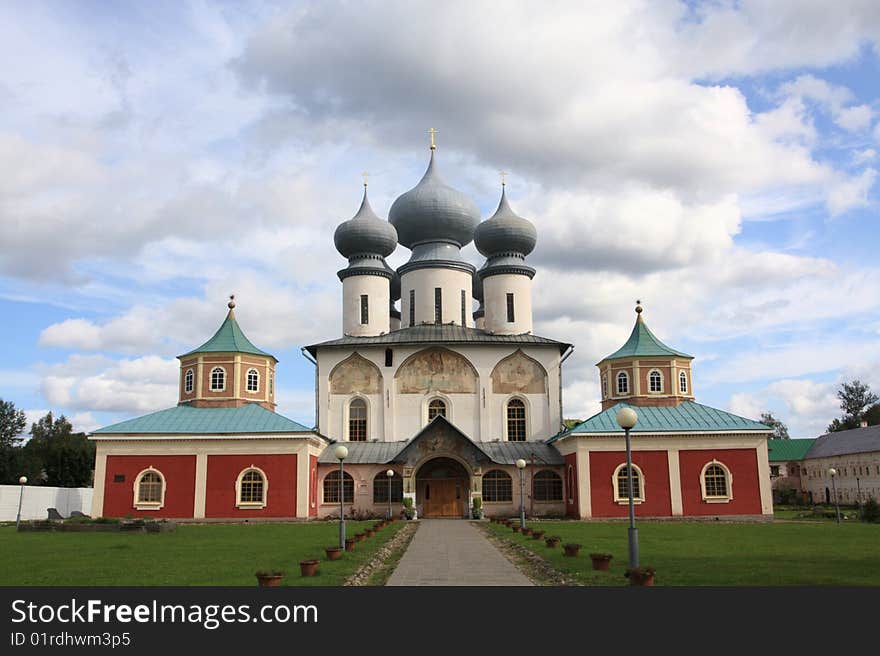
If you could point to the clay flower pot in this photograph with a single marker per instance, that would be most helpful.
(333, 553)
(309, 567)
(552, 541)
(601, 561)
(349, 543)
(537, 535)
(369, 532)
(571, 549)
(516, 529)
(640, 576)
(269, 579)
(360, 537)
(527, 531)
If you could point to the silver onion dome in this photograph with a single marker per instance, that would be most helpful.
(365, 233)
(434, 211)
(505, 232)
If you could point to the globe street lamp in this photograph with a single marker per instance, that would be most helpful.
(341, 454)
(833, 473)
(626, 419)
(390, 475)
(21, 482)
(521, 464)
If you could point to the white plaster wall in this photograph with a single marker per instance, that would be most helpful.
(36, 499)
(338, 411)
(424, 281)
(480, 416)
(495, 291)
(378, 291)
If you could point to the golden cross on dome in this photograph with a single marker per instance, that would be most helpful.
(365, 175)
(432, 132)
(503, 177)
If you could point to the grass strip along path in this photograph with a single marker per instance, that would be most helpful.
(716, 554)
(211, 554)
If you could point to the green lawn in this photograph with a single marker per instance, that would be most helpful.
(212, 554)
(704, 553)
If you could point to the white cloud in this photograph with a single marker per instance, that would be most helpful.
(852, 192)
(805, 406)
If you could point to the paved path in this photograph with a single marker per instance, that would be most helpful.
(452, 552)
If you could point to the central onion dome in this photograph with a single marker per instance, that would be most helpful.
(365, 234)
(505, 232)
(432, 211)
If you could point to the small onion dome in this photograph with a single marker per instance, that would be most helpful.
(395, 282)
(365, 233)
(505, 231)
(434, 211)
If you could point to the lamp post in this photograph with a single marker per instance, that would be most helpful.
(521, 465)
(626, 419)
(833, 473)
(341, 454)
(390, 475)
(21, 482)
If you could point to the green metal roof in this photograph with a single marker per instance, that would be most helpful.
(642, 342)
(683, 418)
(786, 450)
(228, 339)
(182, 419)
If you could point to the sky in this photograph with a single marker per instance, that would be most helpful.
(717, 161)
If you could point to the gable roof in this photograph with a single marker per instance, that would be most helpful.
(788, 450)
(856, 440)
(687, 417)
(642, 342)
(183, 419)
(229, 338)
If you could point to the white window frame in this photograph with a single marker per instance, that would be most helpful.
(728, 474)
(346, 426)
(528, 409)
(247, 381)
(682, 377)
(659, 373)
(605, 386)
(211, 379)
(617, 384)
(625, 500)
(189, 378)
(148, 505)
(251, 504)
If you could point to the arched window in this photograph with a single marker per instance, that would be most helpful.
(331, 487)
(682, 382)
(357, 421)
(655, 381)
(271, 384)
(380, 488)
(218, 379)
(516, 421)
(497, 486)
(547, 486)
(716, 482)
(622, 383)
(253, 380)
(251, 488)
(436, 407)
(188, 381)
(620, 480)
(149, 490)
(604, 386)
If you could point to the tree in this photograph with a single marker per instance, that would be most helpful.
(67, 458)
(780, 430)
(855, 397)
(571, 423)
(12, 423)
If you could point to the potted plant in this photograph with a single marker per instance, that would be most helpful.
(537, 535)
(571, 549)
(370, 532)
(269, 578)
(478, 508)
(309, 567)
(333, 553)
(408, 511)
(360, 537)
(527, 531)
(553, 541)
(349, 543)
(640, 575)
(601, 561)
(516, 528)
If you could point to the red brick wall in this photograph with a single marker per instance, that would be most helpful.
(180, 481)
(743, 466)
(569, 481)
(223, 471)
(313, 486)
(655, 469)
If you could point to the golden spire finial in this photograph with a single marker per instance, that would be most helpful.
(365, 175)
(432, 132)
(503, 177)
(231, 303)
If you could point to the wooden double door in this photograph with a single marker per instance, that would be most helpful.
(444, 497)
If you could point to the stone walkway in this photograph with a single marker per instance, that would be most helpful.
(452, 552)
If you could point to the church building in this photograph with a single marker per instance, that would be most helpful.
(444, 397)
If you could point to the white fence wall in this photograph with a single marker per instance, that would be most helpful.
(37, 499)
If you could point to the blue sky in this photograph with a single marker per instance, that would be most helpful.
(716, 160)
